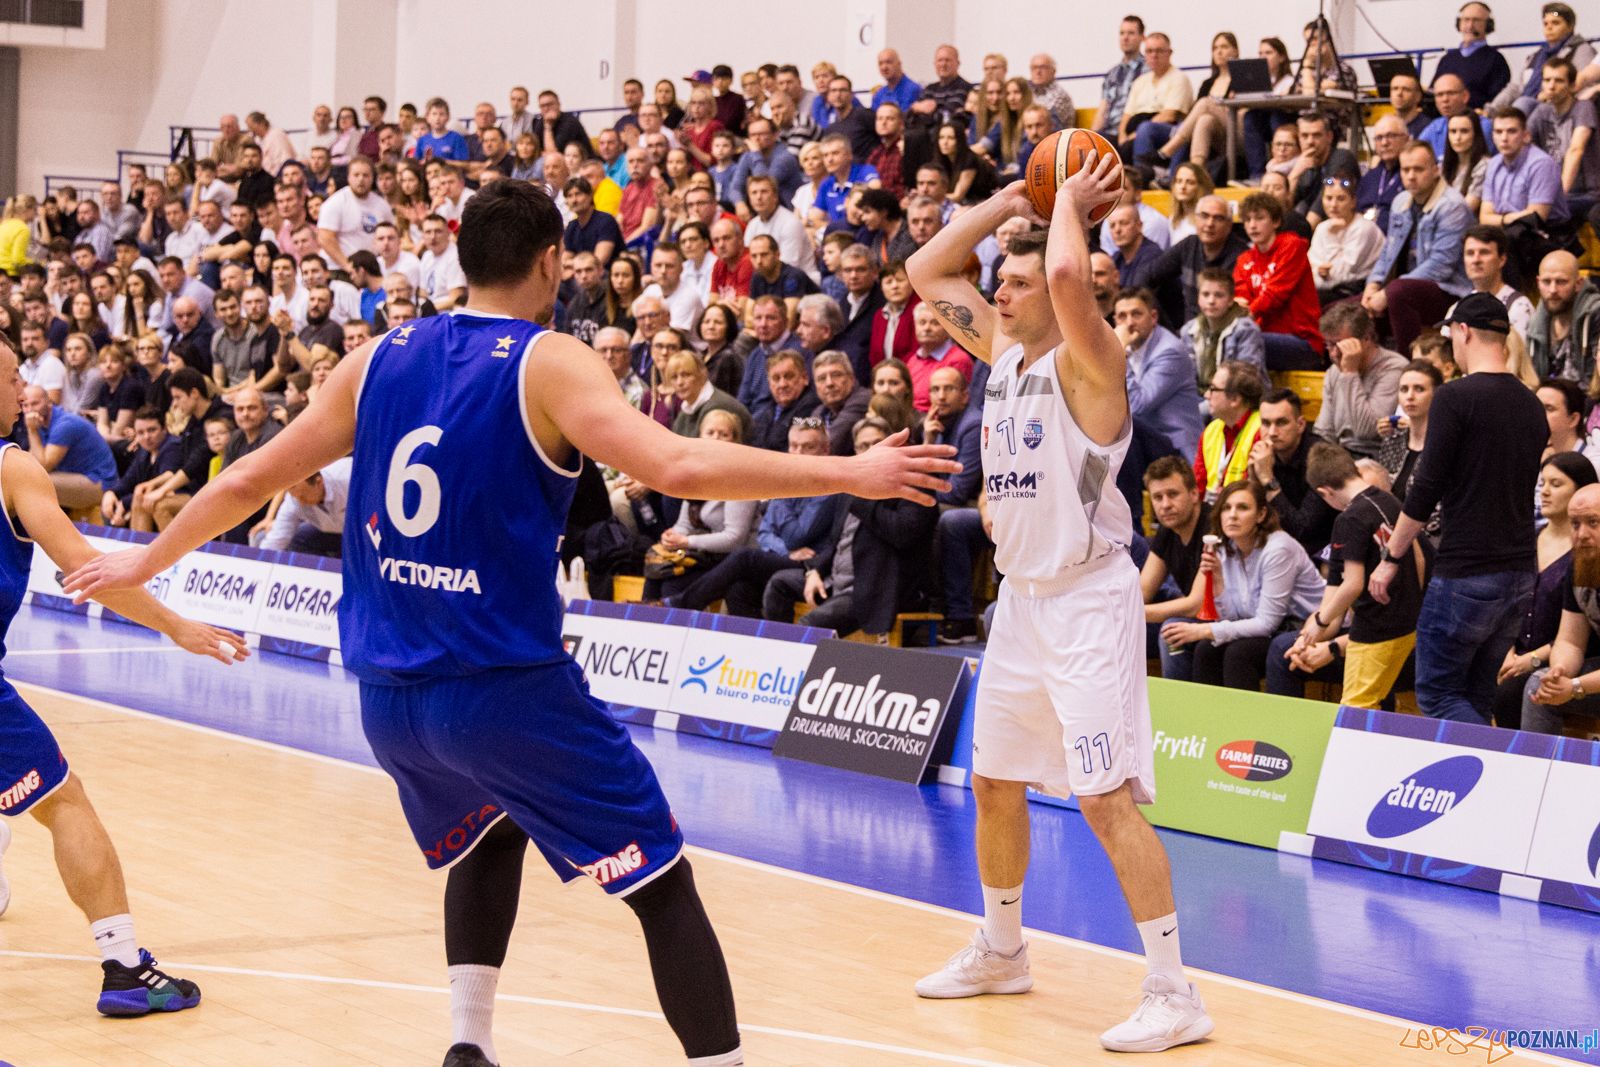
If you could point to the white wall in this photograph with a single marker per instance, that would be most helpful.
(169, 62)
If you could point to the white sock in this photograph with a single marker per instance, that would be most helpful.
(727, 1059)
(113, 936)
(1002, 919)
(1161, 952)
(472, 989)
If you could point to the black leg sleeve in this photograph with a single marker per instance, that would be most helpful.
(480, 898)
(686, 960)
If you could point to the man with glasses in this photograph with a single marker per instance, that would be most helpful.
(1157, 101)
(1175, 277)
(1450, 96)
(1380, 185)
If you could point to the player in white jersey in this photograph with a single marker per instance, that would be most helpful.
(1062, 702)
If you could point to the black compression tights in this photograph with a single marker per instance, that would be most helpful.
(686, 961)
(480, 898)
(480, 908)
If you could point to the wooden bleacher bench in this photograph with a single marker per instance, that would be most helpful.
(1307, 385)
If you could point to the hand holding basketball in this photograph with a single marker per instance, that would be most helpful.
(1064, 155)
(1094, 188)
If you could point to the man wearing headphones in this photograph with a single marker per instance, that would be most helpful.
(1481, 67)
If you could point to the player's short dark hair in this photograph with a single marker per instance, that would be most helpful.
(151, 413)
(1170, 467)
(1217, 275)
(1029, 244)
(1330, 467)
(1136, 20)
(881, 200)
(1284, 396)
(224, 295)
(188, 380)
(580, 184)
(1513, 114)
(364, 260)
(504, 230)
(173, 260)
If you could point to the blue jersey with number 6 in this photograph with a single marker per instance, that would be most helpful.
(455, 516)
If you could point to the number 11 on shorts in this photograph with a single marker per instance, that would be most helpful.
(1085, 749)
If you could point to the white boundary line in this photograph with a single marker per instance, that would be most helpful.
(86, 651)
(542, 1002)
(932, 909)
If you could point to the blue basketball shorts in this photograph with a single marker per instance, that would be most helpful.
(31, 764)
(532, 744)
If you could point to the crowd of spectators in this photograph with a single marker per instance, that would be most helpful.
(735, 251)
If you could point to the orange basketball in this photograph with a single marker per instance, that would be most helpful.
(1056, 159)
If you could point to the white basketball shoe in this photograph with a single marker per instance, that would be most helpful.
(976, 970)
(1166, 1017)
(5, 886)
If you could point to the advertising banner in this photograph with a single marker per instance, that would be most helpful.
(302, 604)
(874, 709)
(627, 661)
(1448, 801)
(1236, 765)
(736, 678)
(1566, 841)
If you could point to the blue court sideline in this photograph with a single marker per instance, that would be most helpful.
(1433, 953)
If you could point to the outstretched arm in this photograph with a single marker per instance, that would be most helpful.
(935, 269)
(1097, 355)
(323, 433)
(576, 403)
(32, 499)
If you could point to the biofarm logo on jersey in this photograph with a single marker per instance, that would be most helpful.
(1015, 485)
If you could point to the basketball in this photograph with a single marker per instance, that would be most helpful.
(1057, 158)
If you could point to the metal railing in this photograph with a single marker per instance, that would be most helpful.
(194, 141)
(87, 188)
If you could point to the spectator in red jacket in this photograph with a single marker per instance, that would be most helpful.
(1273, 279)
(894, 332)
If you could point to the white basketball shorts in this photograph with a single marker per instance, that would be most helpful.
(1062, 701)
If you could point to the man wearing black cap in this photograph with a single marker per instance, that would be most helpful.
(1486, 434)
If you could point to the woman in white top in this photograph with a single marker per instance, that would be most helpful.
(694, 240)
(1344, 248)
(713, 528)
(1264, 584)
(815, 171)
(1190, 183)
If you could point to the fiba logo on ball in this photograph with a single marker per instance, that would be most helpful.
(1033, 432)
(1426, 796)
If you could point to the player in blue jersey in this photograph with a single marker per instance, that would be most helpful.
(466, 431)
(34, 777)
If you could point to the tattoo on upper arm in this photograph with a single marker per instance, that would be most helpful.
(958, 316)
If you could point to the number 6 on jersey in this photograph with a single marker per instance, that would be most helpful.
(401, 471)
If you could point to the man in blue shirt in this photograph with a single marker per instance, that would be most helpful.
(843, 175)
(1482, 68)
(1522, 195)
(767, 156)
(1450, 96)
(1160, 372)
(896, 87)
(590, 230)
(70, 448)
(792, 530)
(441, 142)
(1120, 78)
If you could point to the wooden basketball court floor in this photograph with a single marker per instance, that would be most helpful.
(285, 883)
